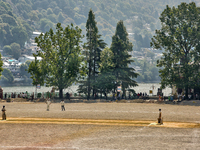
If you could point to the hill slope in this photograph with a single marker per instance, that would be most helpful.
(140, 16)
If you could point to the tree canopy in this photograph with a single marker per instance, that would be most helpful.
(7, 77)
(13, 28)
(92, 50)
(142, 15)
(120, 47)
(179, 37)
(61, 62)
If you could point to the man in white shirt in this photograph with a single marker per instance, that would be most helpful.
(48, 102)
(62, 105)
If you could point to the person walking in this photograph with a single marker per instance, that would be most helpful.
(62, 105)
(3, 113)
(48, 102)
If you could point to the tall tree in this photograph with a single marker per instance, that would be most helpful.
(106, 79)
(16, 50)
(121, 47)
(180, 38)
(20, 35)
(92, 52)
(61, 58)
(7, 76)
(24, 69)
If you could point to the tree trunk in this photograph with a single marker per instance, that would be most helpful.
(60, 93)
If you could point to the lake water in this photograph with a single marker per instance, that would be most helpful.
(143, 87)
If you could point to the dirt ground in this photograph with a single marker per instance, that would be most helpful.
(99, 126)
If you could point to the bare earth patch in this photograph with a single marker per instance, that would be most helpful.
(96, 126)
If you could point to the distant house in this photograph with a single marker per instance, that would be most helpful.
(35, 34)
(24, 58)
(12, 65)
(137, 69)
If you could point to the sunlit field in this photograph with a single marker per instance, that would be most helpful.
(99, 126)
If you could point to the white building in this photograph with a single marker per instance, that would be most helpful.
(24, 58)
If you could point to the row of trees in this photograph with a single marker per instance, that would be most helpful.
(107, 68)
(99, 69)
(12, 28)
(13, 50)
(104, 69)
(43, 15)
(179, 37)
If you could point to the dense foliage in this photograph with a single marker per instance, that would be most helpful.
(180, 38)
(109, 68)
(140, 17)
(92, 50)
(12, 28)
(149, 71)
(61, 58)
(7, 77)
(121, 46)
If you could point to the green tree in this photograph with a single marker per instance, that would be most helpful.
(7, 50)
(7, 76)
(24, 69)
(16, 50)
(151, 55)
(19, 35)
(61, 62)
(29, 30)
(36, 70)
(106, 79)
(92, 48)
(146, 40)
(2, 36)
(33, 16)
(180, 38)
(9, 19)
(44, 23)
(120, 47)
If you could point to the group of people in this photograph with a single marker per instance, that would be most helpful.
(48, 102)
(14, 95)
(141, 94)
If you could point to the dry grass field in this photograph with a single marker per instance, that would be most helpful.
(99, 126)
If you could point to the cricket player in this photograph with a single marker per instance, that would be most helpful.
(3, 113)
(62, 105)
(48, 102)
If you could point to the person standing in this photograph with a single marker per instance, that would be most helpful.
(160, 120)
(48, 102)
(119, 96)
(62, 105)
(3, 113)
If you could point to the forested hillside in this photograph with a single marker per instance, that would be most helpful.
(21, 17)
